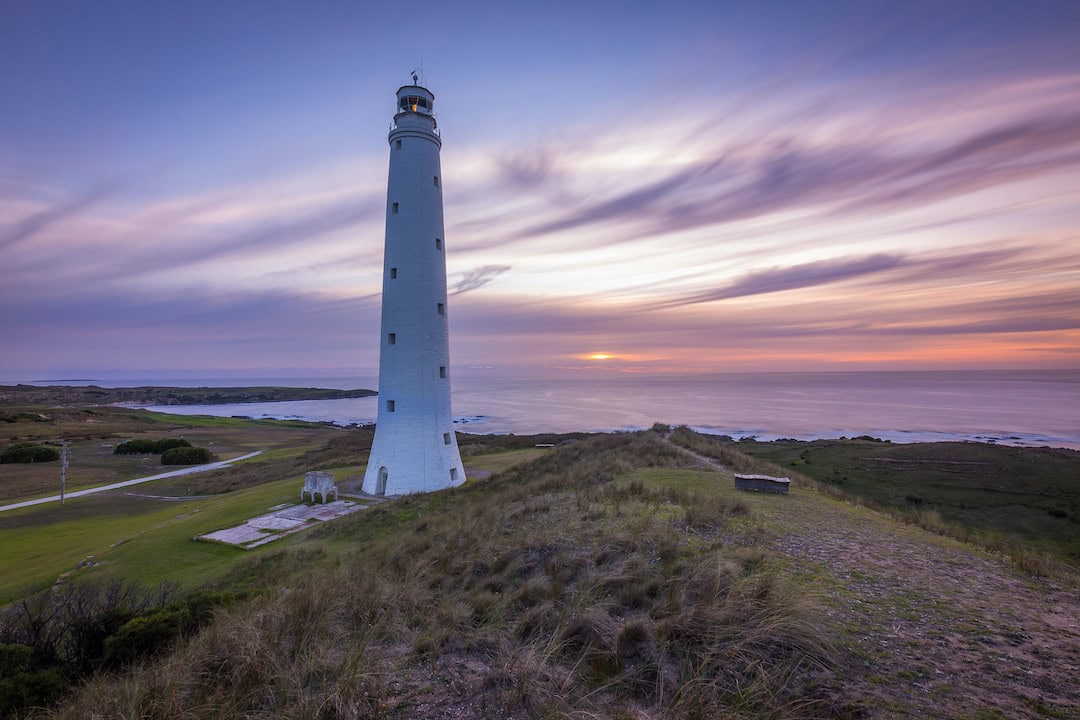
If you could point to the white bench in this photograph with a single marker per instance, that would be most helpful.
(319, 483)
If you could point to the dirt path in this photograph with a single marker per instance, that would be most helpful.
(933, 628)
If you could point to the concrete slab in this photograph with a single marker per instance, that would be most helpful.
(270, 522)
(283, 520)
(239, 535)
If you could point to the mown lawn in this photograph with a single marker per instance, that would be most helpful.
(150, 540)
(136, 538)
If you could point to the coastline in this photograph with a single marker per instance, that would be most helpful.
(1021, 408)
(322, 411)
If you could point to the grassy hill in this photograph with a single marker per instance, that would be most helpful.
(1030, 495)
(618, 576)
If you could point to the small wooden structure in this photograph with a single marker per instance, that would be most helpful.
(319, 483)
(762, 483)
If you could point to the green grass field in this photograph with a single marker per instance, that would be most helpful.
(94, 432)
(150, 540)
(138, 539)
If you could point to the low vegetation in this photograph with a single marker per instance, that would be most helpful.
(1024, 502)
(554, 588)
(52, 640)
(187, 456)
(146, 446)
(28, 453)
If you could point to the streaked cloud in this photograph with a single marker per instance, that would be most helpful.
(20, 229)
(798, 276)
(478, 277)
(877, 198)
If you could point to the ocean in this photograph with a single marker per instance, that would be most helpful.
(1030, 408)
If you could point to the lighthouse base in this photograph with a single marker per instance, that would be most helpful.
(402, 468)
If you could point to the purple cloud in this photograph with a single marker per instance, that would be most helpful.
(46, 217)
(478, 277)
(776, 280)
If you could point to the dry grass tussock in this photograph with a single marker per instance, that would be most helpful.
(553, 590)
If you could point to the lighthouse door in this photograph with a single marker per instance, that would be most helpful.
(380, 485)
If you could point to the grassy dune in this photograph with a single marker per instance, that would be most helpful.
(618, 577)
(554, 588)
(1021, 501)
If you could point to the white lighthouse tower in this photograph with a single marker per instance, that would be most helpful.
(415, 449)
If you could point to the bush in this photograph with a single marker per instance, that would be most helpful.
(16, 417)
(150, 447)
(56, 638)
(28, 453)
(187, 456)
(144, 636)
(134, 447)
(20, 686)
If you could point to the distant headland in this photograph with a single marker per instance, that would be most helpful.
(156, 395)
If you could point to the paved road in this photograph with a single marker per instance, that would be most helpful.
(136, 481)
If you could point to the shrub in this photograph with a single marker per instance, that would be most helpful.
(150, 447)
(135, 447)
(162, 446)
(16, 417)
(187, 456)
(21, 687)
(147, 635)
(28, 453)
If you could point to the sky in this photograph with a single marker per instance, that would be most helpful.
(686, 187)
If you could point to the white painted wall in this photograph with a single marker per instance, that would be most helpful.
(410, 442)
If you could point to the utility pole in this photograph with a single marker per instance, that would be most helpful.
(63, 469)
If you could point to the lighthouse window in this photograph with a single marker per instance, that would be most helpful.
(411, 102)
(442, 371)
(438, 243)
(395, 208)
(442, 309)
(389, 406)
(398, 144)
(392, 339)
(436, 181)
(393, 273)
(446, 438)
